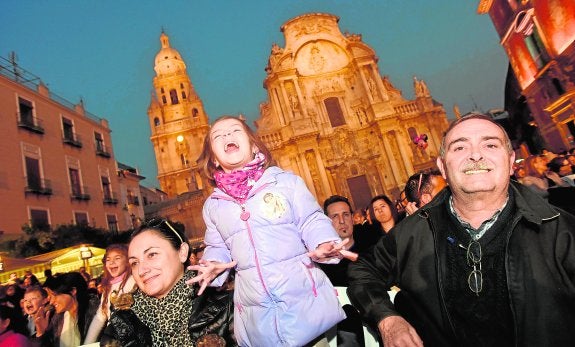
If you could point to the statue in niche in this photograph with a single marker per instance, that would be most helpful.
(294, 102)
(316, 60)
(372, 88)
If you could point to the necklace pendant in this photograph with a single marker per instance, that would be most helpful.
(245, 215)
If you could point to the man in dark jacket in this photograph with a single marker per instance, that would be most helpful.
(486, 263)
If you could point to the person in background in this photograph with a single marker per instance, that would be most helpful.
(12, 331)
(486, 263)
(75, 309)
(48, 277)
(383, 213)
(421, 188)
(359, 217)
(117, 280)
(35, 298)
(266, 221)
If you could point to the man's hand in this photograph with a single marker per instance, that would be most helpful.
(207, 271)
(411, 208)
(397, 332)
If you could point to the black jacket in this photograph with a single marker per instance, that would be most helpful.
(540, 270)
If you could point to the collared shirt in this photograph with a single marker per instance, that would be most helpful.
(477, 233)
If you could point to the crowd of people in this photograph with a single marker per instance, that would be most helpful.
(476, 253)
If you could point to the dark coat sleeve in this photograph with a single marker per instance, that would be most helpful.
(125, 329)
(370, 277)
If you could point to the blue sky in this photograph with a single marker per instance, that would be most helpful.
(103, 52)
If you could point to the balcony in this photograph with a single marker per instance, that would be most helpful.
(80, 193)
(31, 123)
(38, 187)
(102, 150)
(72, 139)
(110, 198)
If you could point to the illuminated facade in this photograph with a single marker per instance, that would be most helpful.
(178, 123)
(332, 119)
(539, 39)
(58, 165)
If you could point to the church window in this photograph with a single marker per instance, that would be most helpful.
(164, 99)
(194, 112)
(174, 97)
(156, 121)
(412, 133)
(334, 112)
(183, 95)
(162, 90)
(181, 86)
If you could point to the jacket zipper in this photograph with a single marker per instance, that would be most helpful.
(250, 234)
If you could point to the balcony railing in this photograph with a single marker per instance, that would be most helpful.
(39, 187)
(80, 193)
(31, 123)
(73, 140)
(110, 198)
(102, 150)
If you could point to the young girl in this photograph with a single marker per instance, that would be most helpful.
(117, 280)
(264, 221)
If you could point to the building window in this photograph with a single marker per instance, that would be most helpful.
(75, 184)
(69, 136)
(109, 197)
(164, 101)
(101, 149)
(558, 86)
(156, 121)
(35, 183)
(194, 112)
(81, 218)
(26, 117)
(183, 95)
(39, 219)
(334, 112)
(132, 198)
(174, 97)
(412, 133)
(536, 48)
(112, 222)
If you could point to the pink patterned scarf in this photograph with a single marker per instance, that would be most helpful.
(238, 183)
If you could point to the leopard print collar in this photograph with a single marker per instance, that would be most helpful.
(164, 317)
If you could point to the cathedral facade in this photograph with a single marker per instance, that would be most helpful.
(334, 120)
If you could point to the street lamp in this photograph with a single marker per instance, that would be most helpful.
(85, 254)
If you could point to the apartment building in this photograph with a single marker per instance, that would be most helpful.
(57, 165)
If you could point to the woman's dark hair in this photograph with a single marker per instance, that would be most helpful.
(392, 208)
(171, 232)
(65, 284)
(17, 321)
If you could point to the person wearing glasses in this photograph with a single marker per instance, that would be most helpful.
(488, 262)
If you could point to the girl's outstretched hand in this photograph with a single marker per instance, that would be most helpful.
(330, 250)
(207, 271)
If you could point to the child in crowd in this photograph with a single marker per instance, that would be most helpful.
(265, 221)
(117, 280)
(12, 329)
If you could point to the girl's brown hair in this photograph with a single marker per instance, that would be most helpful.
(107, 277)
(206, 161)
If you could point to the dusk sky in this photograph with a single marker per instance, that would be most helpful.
(103, 52)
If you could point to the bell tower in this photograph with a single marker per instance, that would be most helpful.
(178, 123)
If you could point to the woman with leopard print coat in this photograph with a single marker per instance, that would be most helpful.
(153, 315)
